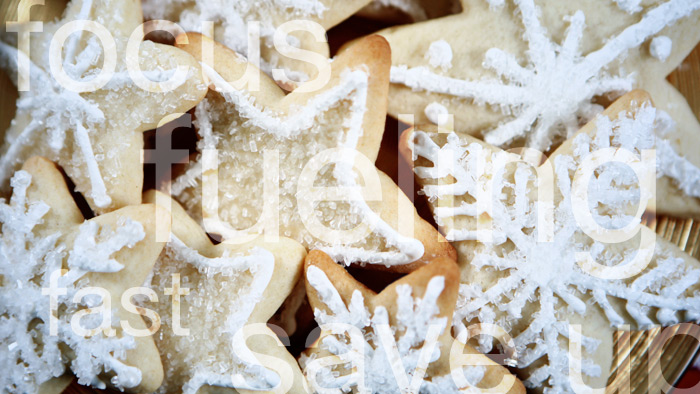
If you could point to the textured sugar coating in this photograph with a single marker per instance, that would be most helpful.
(245, 130)
(63, 125)
(416, 319)
(534, 287)
(227, 286)
(227, 294)
(395, 341)
(33, 355)
(507, 85)
(644, 132)
(231, 20)
(302, 164)
(232, 17)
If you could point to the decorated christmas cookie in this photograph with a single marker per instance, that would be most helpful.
(396, 341)
(279, 253)
(270, 162)
(530, 73)
(553, 251)
(234, 21)
(63, 278)
(220, 296)
(88, 122)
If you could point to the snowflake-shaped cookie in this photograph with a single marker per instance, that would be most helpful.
(224, 295)
(396, 341)
(312, 140)
(535, 78)
(51, 262)
(532, 264)
(95, 134)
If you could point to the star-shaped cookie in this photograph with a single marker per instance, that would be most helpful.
(95, 135)
(281, 165)
(415, 312)
(554, 253)
(44, 232)
(530, 73)
(232, 25)
(223, 295)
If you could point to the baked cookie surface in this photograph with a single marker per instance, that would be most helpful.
(61, 274)
(395, 341)
(314, 139)
(535, 264)
(93, 126)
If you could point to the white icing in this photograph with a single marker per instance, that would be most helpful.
(72, 128)
(467, 170)
(684, 173)
(26, 264)
(89, 254)
(539, 274)
(660, 47)
(303, 117)
(99, 191)
(439, 55)
(231, 17)
(283, 128)
(245, 277)
(629, 6)
(53, 102)
(541, 109)
(415, 319)
(434, 110)
(649, 134)
(495, 4)
(411, 8)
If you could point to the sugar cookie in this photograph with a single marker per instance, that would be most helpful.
(43, 232)
(529, 262)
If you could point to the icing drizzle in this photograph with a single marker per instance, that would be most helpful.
(416, 328)
(26, 264)
(541, 109)
(60, 110)
(231, 18)
(281, 130)
(520, 269)
(243, 277)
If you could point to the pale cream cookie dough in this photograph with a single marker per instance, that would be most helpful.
(530, 73)
(354, 352)
(528, 70)
(340, 124)
(214, 336)
(44, 232)
(528, 259)
(95, 135)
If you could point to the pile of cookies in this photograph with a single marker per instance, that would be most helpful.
(273, 255)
